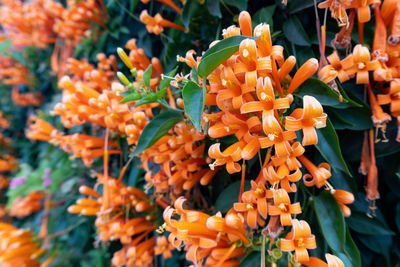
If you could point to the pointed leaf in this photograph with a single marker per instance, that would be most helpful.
(240, 4)
(147, 75)
(131, 97)
(158, 127)
(329, 147)
(361, 223)
(295, 32)
(351, 250)
(331, 221)
(193, 100)
(213, 8)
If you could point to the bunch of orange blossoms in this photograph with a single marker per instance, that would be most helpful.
(384, 62)
(25, 206)
(92, 95)
(75, 21)
(124, 214)
(79, 145)
(29, 23)
(157, 23)
(26, 99)
(252, 90)
(18, 248)
(13, 72)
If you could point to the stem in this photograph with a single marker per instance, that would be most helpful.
(242, 181)
(128, 12)
(263, 251)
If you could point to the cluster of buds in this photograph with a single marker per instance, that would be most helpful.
(79, 145)
(25, 206)
(124, 214)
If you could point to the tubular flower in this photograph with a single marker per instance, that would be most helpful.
(228, 157)
(363, 64)
(291, 160)
(203, 235)
(157, 23)
(14, 73)
(163, 247)
(276, 136)
(27, 99)
(344, 197)
(169, 3)
(299, 240)
(338, 68)
(318, 175)
(392, 98)
(17, 247)
(7, 163)
(281, 177)
(25, 206)
(310, 116)
(283, 207)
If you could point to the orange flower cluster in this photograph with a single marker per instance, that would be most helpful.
(17, 247)
(13, 72)
(208, 240)
(180, 156)
(75, 21)
(79, 145)
(27, 99)
(112, 223)
(25, 206)
(338, 9)
(92, 95)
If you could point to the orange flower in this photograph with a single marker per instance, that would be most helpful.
(299, 240)
(283, 208)
(22, 207)
(163, 247)
(228, 157)
(307, 118)
(291, 160)
(281, 177)
(338, 68)
(392, 97)
(362, 64)
(157, 23)
(344, 197)
(332, 260)
(276, 136)
(318, 175)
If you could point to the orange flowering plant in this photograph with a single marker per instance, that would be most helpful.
(154, 133)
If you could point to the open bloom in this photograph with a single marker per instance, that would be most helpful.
(283, 207)
(308, 118)
(318, 175)
(281, 177)
(299, 240)
(228, 157)
(362, 64)
(332, 261)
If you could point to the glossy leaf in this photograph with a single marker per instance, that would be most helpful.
(189, 10)
(229, 196)
(352, 118)
(131, 97)
(351, 250)
(147, 99)
(218, 53)
(296, 6)
(158, 127)
(147, 76)
(240, 4)
(361, 223)
(213, 8)
(295, 32)
(193, 100)
(330, 220)
(264, 15)
(329, 147)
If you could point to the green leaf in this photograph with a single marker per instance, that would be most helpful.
(296, 5)
(193, 100)
(240, 4)
(151, 97)
(361, 223)
(132, 97)
(350, 118)
(295, 32)
(330, 220)
(264, 15)
(322, 92)
(165, 83)
(147, 76)
(213, 8)
(329, 147)
(195, 75)
(351, 250)
(218, 53)
(229, 196)
(190, 8)
(158, 127)
(6, 44)
(251, 260)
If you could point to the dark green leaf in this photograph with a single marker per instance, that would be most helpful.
(351, 250)
(147, 99)
(295, 32)
(331, 221)
(251, 260)
(350, 118)
(213, 8)
(378, 243)
(218, 53)
(322, 92)
(195, 76)
(296, 5)
(361, 223)
(264, 15)
(190, 8)
(329, 147)
(131, 97)
(229, 196)
(356, 102)
(158, 127)
(147, 76)
(193, 100)
(240, 4)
